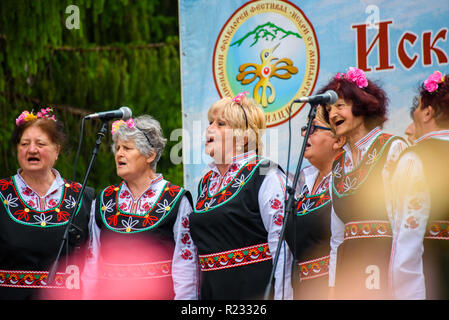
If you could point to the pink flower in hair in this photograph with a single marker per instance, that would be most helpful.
(24, 117)
(130, 122)
(118, 123)
(238, 98)
(357, 76)
(431, 83)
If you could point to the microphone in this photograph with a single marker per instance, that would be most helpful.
(329, 97)
(123, 113)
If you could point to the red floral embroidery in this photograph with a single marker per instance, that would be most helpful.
(109, 190)
(52, 203)
(185, 223)
(27, 191)
(125, 194)
(224, 196)
(150, 193)
(200, 203)
(415, 204)
(186, 254)
(411, 223)
(75, 186)
(173, 190)
(62, 215)
(322, 199)
(250, 165)
(5, 184)
(278, 220)
(340, 186)
(146, 206)
(22, 215)
(185, 238)
(276, 204)
(150, 220)
(113, 219)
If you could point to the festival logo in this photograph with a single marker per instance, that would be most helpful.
(268, 48)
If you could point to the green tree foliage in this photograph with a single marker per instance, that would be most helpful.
(125, 53)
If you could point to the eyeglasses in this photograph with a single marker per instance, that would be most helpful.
(313, 129)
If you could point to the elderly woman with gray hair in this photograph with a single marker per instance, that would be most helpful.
(140, 241)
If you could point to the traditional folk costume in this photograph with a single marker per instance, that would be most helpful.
(421, 256)
(31, 232)
(308, 235)
(236, 225)
(360, 224)
(141, 248)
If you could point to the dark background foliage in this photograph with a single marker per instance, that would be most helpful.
(125, 53)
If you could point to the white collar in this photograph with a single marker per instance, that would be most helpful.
(153, 183)
(364, 143)
(56, 184)
(439, 134)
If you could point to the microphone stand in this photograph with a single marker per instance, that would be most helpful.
(100, 135)
(290, 200)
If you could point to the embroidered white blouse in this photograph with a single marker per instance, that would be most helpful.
(49, 200)
(362, 146)
(185, 268)
(411, 206)
(307, 180)
(271, 203)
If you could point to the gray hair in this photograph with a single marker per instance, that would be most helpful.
(147, 130)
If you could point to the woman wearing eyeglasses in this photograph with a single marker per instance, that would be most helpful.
(360, 223)
(308, 229)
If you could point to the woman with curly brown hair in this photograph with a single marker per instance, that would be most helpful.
(361, 226)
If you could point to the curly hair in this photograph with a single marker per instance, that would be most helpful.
(439, 100)
(370, 102)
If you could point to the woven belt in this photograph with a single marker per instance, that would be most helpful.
(235, 258)
(438, 230)
(32, 279)
(367, 229)
(314, 268)
(151, 270)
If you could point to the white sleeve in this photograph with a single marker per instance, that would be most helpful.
(337, 237)
(90, 272)
(185, 267)
(271, 203)
(395, 151)
(410, 206)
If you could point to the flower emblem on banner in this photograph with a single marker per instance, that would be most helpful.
(268, 48)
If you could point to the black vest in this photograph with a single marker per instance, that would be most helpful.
(137, 250)
(358, 200)
(229, 223)
(308, 236)
(434, 155)
(30, 239)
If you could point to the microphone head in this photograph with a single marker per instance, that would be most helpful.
(333, 97)
(127, 113)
